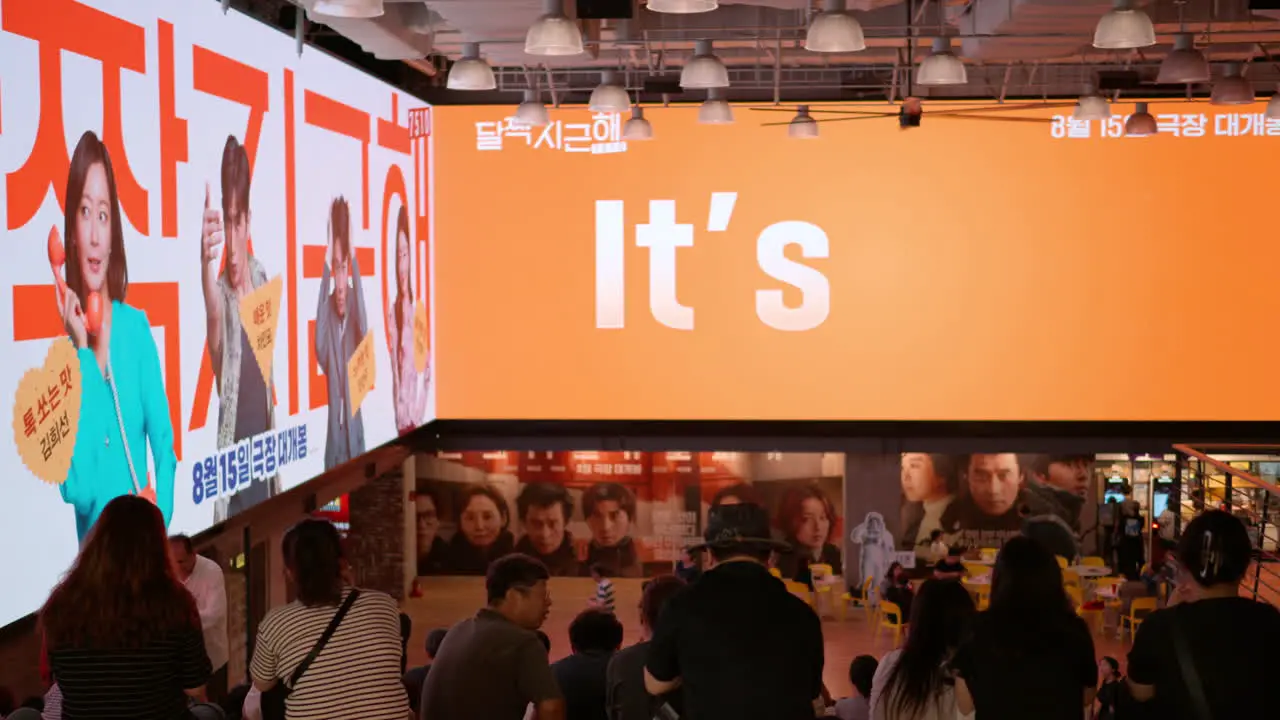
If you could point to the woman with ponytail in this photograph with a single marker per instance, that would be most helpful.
(1211, 655)
(351, 636)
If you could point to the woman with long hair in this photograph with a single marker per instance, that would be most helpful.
(807, 520)
(357, 673)
(122, 634)
(915, 682)
(409, 387)
(123, 407)
(1028, 655)
(1212, 653)
(896, 588)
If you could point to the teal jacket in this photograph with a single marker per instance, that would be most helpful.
(99, 471)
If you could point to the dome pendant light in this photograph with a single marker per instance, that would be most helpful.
(1091, 106)
(1184, 64)
(637, 128)
(553, 34)
(834, 30)
(682, 7)
(715, 110)
(471, 73)
(803, 126)
(1141, 123)
(532, 112)
(1124, 28)
(609, 97)
(1273, 106)
(355, 9)
(705, 70)
(1232, 88)
(941, 67)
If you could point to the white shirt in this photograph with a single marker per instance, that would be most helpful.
(209, 588)
(942, 708)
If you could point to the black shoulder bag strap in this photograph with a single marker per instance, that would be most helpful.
(1190, 677)
(324, 638)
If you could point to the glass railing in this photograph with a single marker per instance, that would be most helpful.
(1241, 479)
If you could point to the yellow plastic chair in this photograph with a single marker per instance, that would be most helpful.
(1071, 579)
(799, 588)
(776, 573)
(1146, 605)
(1062, 562)
(1092, 616)
(976, 569)
(1093, 561)
(891, 617)
(848, 600)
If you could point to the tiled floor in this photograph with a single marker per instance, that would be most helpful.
(447, 600)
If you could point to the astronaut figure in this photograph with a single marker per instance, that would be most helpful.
(877, 549)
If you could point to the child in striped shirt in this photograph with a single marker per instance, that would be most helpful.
(604, 589)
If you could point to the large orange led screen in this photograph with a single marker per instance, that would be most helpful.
(964, 270)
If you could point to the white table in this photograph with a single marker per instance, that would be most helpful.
(1089, 572)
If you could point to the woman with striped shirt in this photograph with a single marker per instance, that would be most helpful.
(356, 676)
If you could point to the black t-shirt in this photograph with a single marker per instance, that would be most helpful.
(626, 697)
(745, 647)
(946, 566)
(143, 683)
(581, 677)
(1233, 642)
(1016, 670)
(1111, 697)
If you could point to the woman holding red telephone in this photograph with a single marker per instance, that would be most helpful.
(123, 406)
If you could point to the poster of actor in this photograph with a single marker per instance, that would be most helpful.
(806, 519)
(231, 273)
(341, 323)
(999, 503)
(930, 482)
(544, 510)
(610, 511)
(432, 549)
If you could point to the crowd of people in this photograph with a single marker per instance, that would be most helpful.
(135, 631)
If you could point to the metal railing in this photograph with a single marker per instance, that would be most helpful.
(1214, 482)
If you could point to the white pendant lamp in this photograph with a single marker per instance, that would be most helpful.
(1141, 123)
(471, 73)
(942, 67)
(803, 126)
(682, 7)
(1184, 64)
(1232, 88)
(609, 96)
(704, 70)
(553, 34)
(637, 128)
(348, 8)
(532, 111)
(1091, 106)
(1124, 28)
(715, 110)
(834, 30)
(1273, 106)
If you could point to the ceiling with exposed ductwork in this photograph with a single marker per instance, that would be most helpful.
(1013, 48)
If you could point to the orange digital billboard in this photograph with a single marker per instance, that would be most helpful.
(964, 270)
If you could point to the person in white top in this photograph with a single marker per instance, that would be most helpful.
(913, 683)
(204, 580)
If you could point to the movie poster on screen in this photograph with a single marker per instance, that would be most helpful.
(631, 513)
(981, 500)
(213, 226)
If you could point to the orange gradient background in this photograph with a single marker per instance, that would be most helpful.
(978, 271)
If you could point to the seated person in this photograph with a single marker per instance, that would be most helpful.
(950, 567)
(937, 546)
(595, 635)
(861, 672)
(896, 589)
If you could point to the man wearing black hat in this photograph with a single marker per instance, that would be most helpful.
(739, 644)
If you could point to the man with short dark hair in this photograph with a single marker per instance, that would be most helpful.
(203, 579)
(493, 665)
(627, 698)
(341, 323)
(415, 678)
(610, 509)
(737, 641)
(594, 636)
(545, 509)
